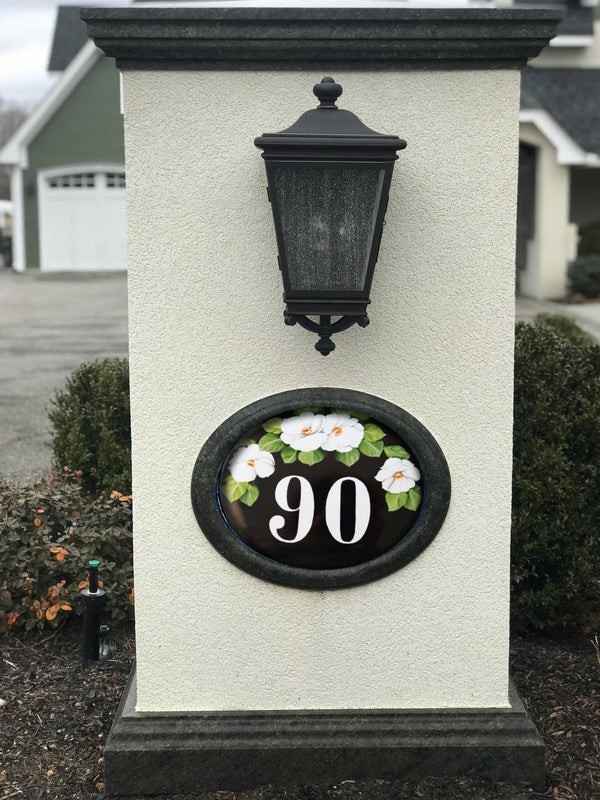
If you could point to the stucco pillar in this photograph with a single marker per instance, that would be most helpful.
(207, 338)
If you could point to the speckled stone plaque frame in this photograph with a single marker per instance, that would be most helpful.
(218, 446)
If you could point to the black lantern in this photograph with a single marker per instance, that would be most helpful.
(328, 183)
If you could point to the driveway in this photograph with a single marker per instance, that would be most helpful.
(49, 324)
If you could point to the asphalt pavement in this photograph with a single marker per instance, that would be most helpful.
(49, 324)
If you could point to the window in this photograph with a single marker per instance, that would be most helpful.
(115, 180)
(78, 180)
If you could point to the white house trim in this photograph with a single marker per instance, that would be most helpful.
(572, 40)
(74, 169)
(568, 152)
(14, 151)
(18, 228)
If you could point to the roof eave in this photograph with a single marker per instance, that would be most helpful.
(14, 153)
(568, 152)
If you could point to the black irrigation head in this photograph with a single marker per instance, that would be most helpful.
(93, 600)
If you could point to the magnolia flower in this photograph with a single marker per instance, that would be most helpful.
(248, 462)
(398, 475)
(343, 432)
(304, 432)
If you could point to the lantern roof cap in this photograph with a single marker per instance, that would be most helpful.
(328, 125)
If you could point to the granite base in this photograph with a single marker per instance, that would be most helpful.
(236, 750)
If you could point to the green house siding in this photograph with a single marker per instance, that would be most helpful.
(86, 129)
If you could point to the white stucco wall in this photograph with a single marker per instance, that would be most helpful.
(207, 337)
(554, 243)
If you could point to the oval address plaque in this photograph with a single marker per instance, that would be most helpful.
(320, 488)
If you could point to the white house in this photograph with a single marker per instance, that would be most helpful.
(67, 162)
(559, 166)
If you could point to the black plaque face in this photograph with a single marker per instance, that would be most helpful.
(321, 488)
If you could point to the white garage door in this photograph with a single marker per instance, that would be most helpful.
(82, 219)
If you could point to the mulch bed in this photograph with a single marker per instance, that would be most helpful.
(57, 717)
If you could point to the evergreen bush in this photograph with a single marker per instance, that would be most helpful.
(565, 326)
(589, 239)
(556, 480)
(584, 275)
(92, 431)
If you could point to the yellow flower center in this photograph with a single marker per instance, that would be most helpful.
(337, 431)
(306, 431)
(398, 475)
(250, 462)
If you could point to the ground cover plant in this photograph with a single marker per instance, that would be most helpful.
(48, 533)
(91, 426)
(556, 479)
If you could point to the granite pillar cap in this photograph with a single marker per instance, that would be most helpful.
(280, 38)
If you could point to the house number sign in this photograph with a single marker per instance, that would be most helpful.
(325, 494)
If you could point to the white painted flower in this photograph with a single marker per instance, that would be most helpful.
(248, 462)
(398, 475)
(304, 432)
(343, 432)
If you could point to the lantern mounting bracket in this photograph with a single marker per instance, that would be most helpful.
(325, 327)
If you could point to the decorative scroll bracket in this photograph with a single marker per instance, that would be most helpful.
(325, 328)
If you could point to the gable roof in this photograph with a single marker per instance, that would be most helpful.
(70, 35)
(571, 97)
(14, 151)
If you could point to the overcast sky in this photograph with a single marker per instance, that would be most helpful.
(26, 28)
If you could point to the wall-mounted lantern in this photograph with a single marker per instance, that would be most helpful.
(328, 181)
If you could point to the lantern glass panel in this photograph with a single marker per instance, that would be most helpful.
(327, 216)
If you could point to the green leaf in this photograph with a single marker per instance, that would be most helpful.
(414, 499)
(313, 457)
(250, 496)
(395, 451)
(270, 443)
(372, 449)
(247, 442)
(349, 458)
(356, 414)
(273, 425)
(395, 501)
(233, 489)
(373, 433)
(289, 455)
(314, 409)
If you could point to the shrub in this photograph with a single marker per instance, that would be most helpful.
(565, 327)
(589, 239)
(92, 432)
(584, 275)
(48, 533)
(556, 480)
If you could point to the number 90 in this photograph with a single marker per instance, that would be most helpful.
(333, 509)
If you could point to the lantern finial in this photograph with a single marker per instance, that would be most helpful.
(328, 92)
